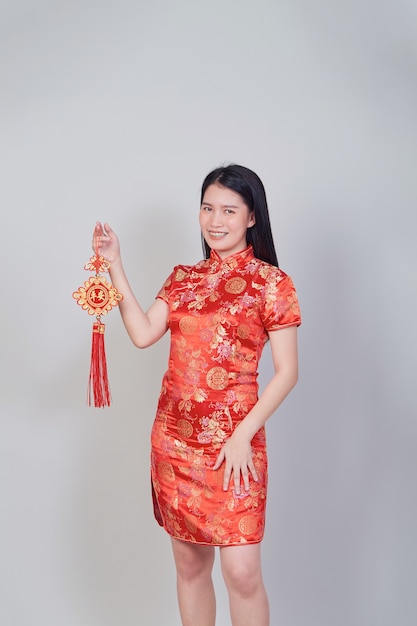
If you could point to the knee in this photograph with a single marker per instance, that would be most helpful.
(193, 562)
(242, 579)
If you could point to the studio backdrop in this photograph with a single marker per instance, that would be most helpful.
(116, 111)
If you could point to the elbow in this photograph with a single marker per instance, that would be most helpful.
(139, 341)
(141, 344)
(292, 378)
(144, 341)
(288, 376)
(295, 377)
(295, 373)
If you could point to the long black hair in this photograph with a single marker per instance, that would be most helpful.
(249, 186)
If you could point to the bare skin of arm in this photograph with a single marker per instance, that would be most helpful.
(144, 328)
(236, 453)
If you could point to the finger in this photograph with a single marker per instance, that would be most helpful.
(245, 477)
(236, 480)
(253, 471)
(219, 460)
(98, 231)
(226, 477)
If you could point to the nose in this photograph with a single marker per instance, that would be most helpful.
(216, 218)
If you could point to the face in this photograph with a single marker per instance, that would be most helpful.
(224, 220)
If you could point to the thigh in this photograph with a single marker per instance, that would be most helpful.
(191, 558)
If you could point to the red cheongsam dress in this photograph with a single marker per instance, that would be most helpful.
(220, 312)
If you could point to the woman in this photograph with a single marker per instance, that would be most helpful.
(209, 463)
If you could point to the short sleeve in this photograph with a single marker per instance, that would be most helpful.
(280, 302)
(174, 280)
(163, 293)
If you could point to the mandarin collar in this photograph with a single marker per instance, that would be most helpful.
(233, 260)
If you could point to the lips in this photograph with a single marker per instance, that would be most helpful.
(216, 234)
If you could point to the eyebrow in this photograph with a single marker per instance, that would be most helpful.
(224, 206)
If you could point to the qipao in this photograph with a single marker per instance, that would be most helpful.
(220, 312)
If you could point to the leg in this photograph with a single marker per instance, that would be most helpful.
(241, 567)
(195, 589)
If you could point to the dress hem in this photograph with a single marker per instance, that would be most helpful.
(210, 543)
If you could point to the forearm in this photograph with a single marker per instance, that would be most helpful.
(237, 451)
(272, 397)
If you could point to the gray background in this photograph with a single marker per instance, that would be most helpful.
(116, 111)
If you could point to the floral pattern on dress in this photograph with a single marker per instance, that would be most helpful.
(220, 313)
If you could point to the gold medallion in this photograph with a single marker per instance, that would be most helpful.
(235, 285)
(188, 325)
(243, 331)
(166, 471)
(217, 378)
(247, 524)
(185, 428)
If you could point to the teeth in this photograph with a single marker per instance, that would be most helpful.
(216, 234)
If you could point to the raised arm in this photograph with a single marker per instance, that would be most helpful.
(144, 329)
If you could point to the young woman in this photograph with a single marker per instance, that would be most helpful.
(209, 463)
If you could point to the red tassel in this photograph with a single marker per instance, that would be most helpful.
(98, 384)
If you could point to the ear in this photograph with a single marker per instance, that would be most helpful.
(252, 220)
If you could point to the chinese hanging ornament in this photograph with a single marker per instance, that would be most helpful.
(98, 297)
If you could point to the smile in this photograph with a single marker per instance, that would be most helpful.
(216, 234)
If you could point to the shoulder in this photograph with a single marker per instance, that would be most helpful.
(279, 298)
(269, 274)
(183, 272)
(179, 278)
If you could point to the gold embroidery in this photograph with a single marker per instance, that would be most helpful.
(180, 274)
(217, 378)
(190, 524)
(235, 285)
(247, 524)
(166, 471)
(217, 339)
(185, 428)
(243, 331)
(188, 325)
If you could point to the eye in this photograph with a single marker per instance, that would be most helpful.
(205, 208)
(229, 211)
